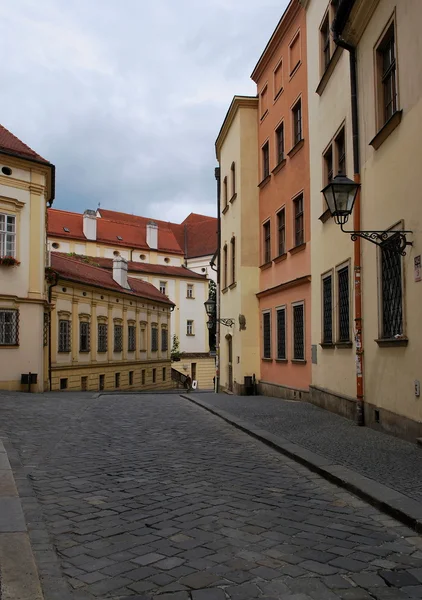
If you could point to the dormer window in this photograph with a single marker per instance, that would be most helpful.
(66, 229)
(119, 237)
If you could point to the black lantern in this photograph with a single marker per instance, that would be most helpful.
(210, 307)
(210, 324)
(340, 196)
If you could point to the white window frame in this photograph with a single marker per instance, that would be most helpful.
(189, 290)
(163, 287)
(7, 237)
(190, 327)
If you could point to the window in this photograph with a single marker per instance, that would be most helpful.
(102, 337)
(84, 383)
(297, 122)
(130, 377)
(265, 160)
(343, 304)
(266, 328)
(163, 287)
(131, 338)
(101, 382)
(154, 337)
(118, 338)
(225, 192)
(327, 310)
(278, 79)
(325, 42)
(164, 373)
(143, 376)
(267, 242)
(225, 265)
(7, 235)
(328, 165)
(189, 327)
(298, 332)
(233, 170)
(391, 291)
(340, 143)
(117, 380)
(64, 335)
(299, 232)
(189, 290)
(387, 76)
(63, 383)
(281, 333)
(281, 219)
(9, 327)
(294, 51)
(143, 340)
(84, 337)
(164, 339)
(233, 248)
(46, 329)
(154, 375)
(264, 102)
(279, 134)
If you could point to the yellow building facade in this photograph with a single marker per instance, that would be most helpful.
(237, 154)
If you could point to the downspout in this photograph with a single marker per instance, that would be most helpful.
(50, 287)
(360, 413)
(217, 296)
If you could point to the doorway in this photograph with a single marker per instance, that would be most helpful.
(193, 371)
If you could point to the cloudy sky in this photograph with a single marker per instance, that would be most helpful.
(126, 98)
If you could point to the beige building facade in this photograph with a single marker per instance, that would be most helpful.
(237, 154)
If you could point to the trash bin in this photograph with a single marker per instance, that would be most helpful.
(248, 386)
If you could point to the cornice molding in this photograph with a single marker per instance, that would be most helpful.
(237, 103)
(359, 18)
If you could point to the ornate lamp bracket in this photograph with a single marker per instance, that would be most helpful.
(394, 239)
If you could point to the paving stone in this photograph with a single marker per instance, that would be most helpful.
(246, 591)
(398, 578)
(173, 596)
(348, 564)
(368, 580)
(148, 559)
(207, 594)
(197, 581)
(169, 563)
(320, 568)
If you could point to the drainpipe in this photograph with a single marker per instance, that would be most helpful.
(360, 414)
(50, 287)
(217, 293)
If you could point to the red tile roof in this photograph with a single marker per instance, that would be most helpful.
(202, 238)
(195, 218)
(76, 270)
(10, 143)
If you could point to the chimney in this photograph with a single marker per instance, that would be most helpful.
(152, 235)
(90, 225)
(120, 272)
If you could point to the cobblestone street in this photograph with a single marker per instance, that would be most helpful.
(149, 496)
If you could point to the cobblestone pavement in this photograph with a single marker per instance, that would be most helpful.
(139, 497)
(384, 458)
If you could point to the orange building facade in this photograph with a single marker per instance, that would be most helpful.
(284, 209)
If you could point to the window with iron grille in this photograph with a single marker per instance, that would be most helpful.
(130, 377)
(64, 335)
(84, 336)
(298, 332)
(225, 265)
(163, 287)
(118, 338)
(131, 338)
(102, 337)
(325, 42)
(280, 142)
(164, 339)
(7, 235)
(233, 249)
(265, 160)
(343, 305)
(340, 142)
(154, 375)
(9, 327)
(387, 70)
(266, 329)
(154, 337)
(327, 310)
(299, 233)
(281, 334)
(267, 242)
(189, 327)
(392, 291)
(328, 165)
(46, 328)
(281, 218)
(297, 122)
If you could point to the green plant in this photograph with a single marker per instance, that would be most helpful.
(175, 349)
(9, 261)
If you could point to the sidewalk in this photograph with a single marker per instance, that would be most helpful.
(382, 469)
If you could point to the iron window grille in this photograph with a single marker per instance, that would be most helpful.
(299, 233)
(298, 332)
(265, 160)
(7, 235)
(388, 77)
(280, 143)
(392, 292)
(64, 335)
(341, 153)
(267, 242)
(189, 327)
(164, 340)
(154, 338)
(118, 339)
(281, 334)
(9, 328)
(343, 305)
(266, 320)
(327, 303)
(297, 122)
(131, 338)
(102, 337)
(84, 337)
(233, 248)
(46, 328)
(281, 216)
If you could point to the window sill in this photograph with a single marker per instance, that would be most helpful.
(326, 345)
(278, 94)
(225, 209)
(225, 290)
(329, 70)
(61, 351)
(296, 148)
(386, 129)
(190, 298)
(295, 70)
(101, 351)
(280, 257)
(266, 265)
(344, 344)
(233, 285)
(8, 346)
(298, 248)
(264, 115)
(325, 216)
(233, 198)
(267, 359)
(188, 335)
(278, 167)
(392, 342)
(298, 361)
(84, 351)
(264, 182)
(281, 360)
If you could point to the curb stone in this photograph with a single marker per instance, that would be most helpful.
(393, 503)
(19, 575)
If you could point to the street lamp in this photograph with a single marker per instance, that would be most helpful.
(210, 307)
(340, 195)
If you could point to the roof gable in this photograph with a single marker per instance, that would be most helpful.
(13, 145)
